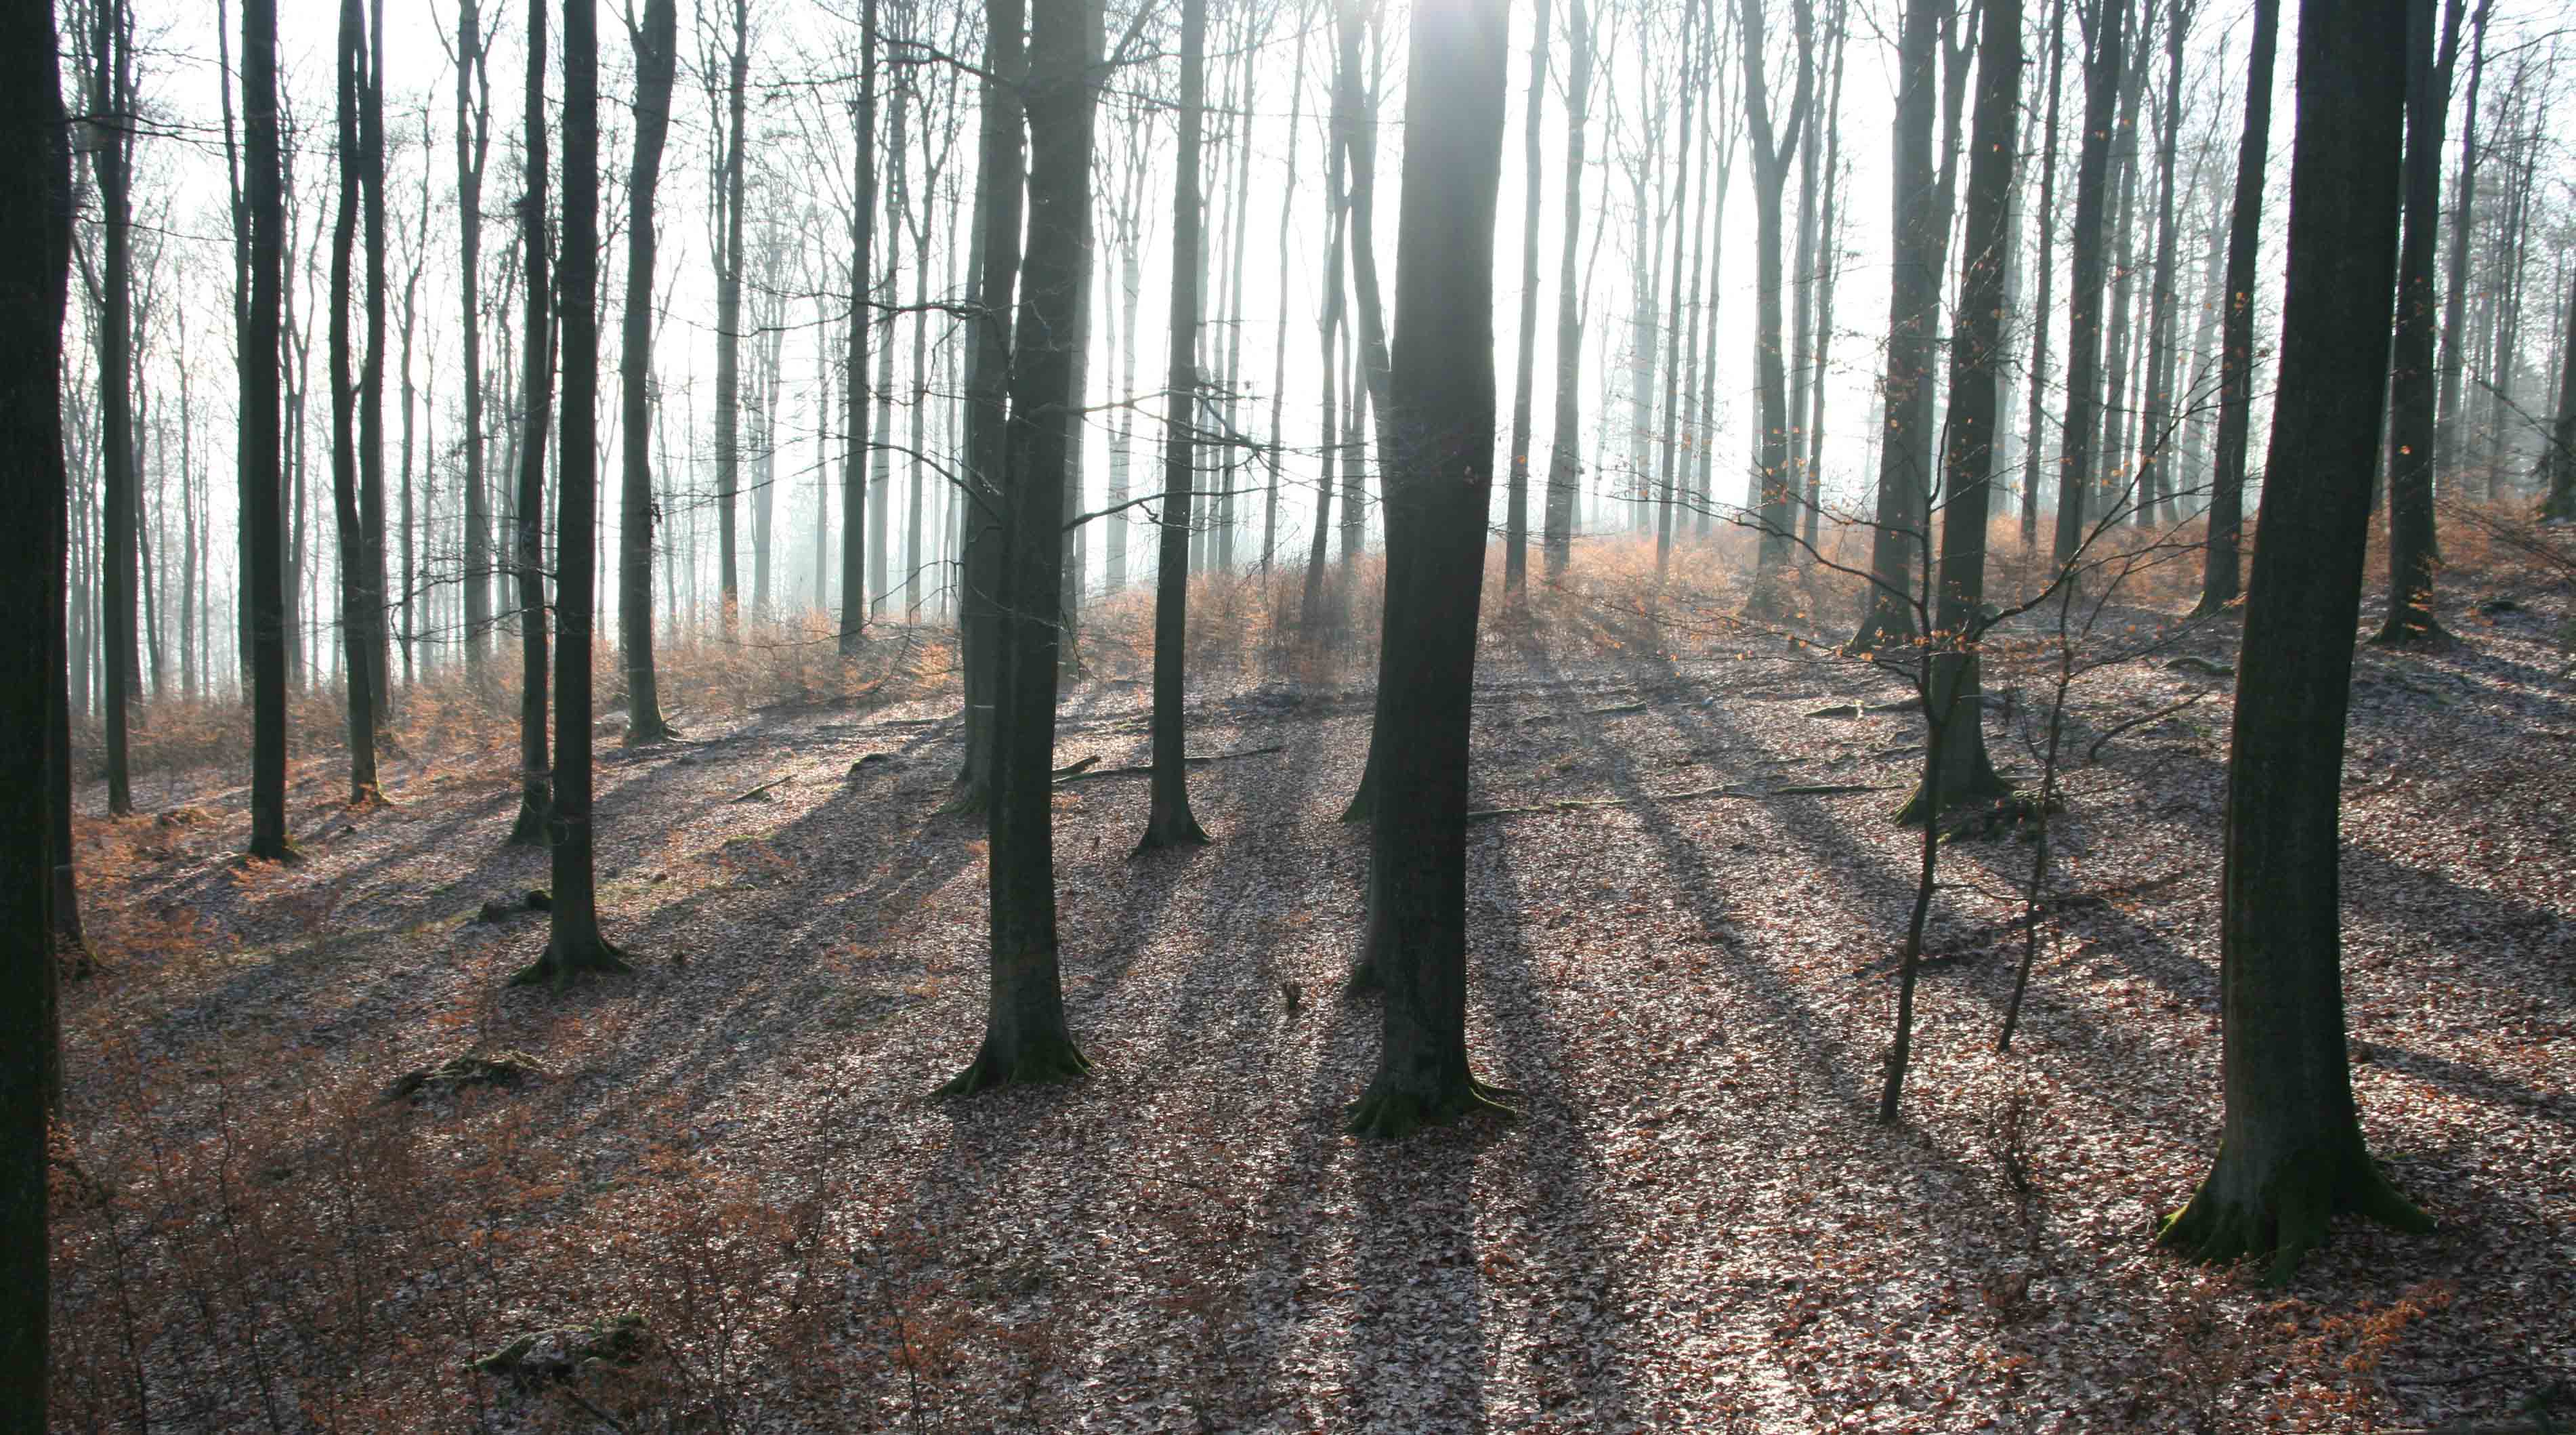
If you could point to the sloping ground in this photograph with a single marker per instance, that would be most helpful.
(1694, 1223)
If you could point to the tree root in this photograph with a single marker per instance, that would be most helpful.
(1984, 788)
(1049, 1060)
(557, 969)
(1389, 1115)
(2289, 1220)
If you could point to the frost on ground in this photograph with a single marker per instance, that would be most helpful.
(1692, 1224)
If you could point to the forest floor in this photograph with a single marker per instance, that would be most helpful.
(1693, 1223)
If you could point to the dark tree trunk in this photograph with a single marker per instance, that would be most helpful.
(2047, 227)
(376, 647)
(573, 943)
(2117, 489)
(2558, 457)
(357, 639)
(2102, 75)
(1355, 112)
(1525, 359)
(729, 324)
(2291, 1156)
(1438, 485)
(111, 130)
(1913, 309)
(656, 60)
(536, 398)
(35, 267)
(2220, 562)
(2413, 383)
(1279, 354)
(1565, 446)
(854, 463)
(1685, 267)
(2155, 441)
(1774, 149)
(999, 194)
(262, 445)
(1025, 1037)
(1829, 254)
(2446, 438)
(1954, 751)
(1170, 823)
(1311, 611)
(473, 131)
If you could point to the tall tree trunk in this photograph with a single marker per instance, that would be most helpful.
(863, 219)
(2413, 382)
(377, 649)
(1169, 822)
(1438, 485)
(999, 196)
(656, 44)
(1774, 149)
(1356, 109)
(536, 397)
(2104, 37)
(2558, 455)
(2446, 436)
(262, 447)
(1829, 249)
(2236, 357)
(1913, 309)
(729, 323)
(1693, 80)
(1525, 358)
(573, 942)
(35, 266)
(2118, 486)
(881, 459)
(356, 634)
(2290, 1155)
(1955, 768)
(1025, 1037)
(111, 150)
(2155, 444)
(1279, 352)
(1328, 443)
(1565, 446)
(473, 133)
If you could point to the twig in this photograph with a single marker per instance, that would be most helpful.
(2094, 753)
(1084, 769)
(756, 792)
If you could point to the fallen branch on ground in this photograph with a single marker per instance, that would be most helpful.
(1084, 769)
(2094, 753)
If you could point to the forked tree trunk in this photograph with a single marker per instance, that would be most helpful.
(1169, 822)
(536, 397)
(656, 62)
(573, 943)
(1954, 750)
(2290, 1156)
(2220, 563)
(1025, 1037)
(1438, 486)
(1774, 149)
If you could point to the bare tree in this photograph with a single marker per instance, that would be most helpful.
(357, 633)
(2219, 562)
(2105, 24)
(1565, 447)
(1775, 147)
(1169, 822)
(536, 786)
(2413, 383)
(656, 43)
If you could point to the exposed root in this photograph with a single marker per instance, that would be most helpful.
(1050, 1059)
(2289, 1220)
(1982, 788)
(1176, 829)
(530, 829)
(558, 969)
(1392, 1115)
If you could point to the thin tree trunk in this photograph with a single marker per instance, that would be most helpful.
(262, 442)
(473, 134)
(863, 219)
(1565, 447)
(111, 149)
(2413, 382)
(1774, 148)
(656, 43)
(1913, 310)
(1169, 822)
(2236, 357)
(536, 788)
(355, 633)
(728, 258)
(2155, 443)
(2102, 75)
(1525, 358)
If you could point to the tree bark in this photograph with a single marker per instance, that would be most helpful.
(2102, 84)
(1565, 445)
(2446, 438)
(1025, 1036)
(1913, 308)
(111, 149)
(357, 644)
(2558, 458)
(2290, 1155)
(473, 132)
(1169, 822)
(729, 323)
(536, 398)
(573, 943)
(2155, 444)
(854, 463)
(1774, 148)
(1525, 359)
(2414, 384)
(1438, 486)
(264, 576)
(2220, 562)
(656, 44)
(35, 267)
